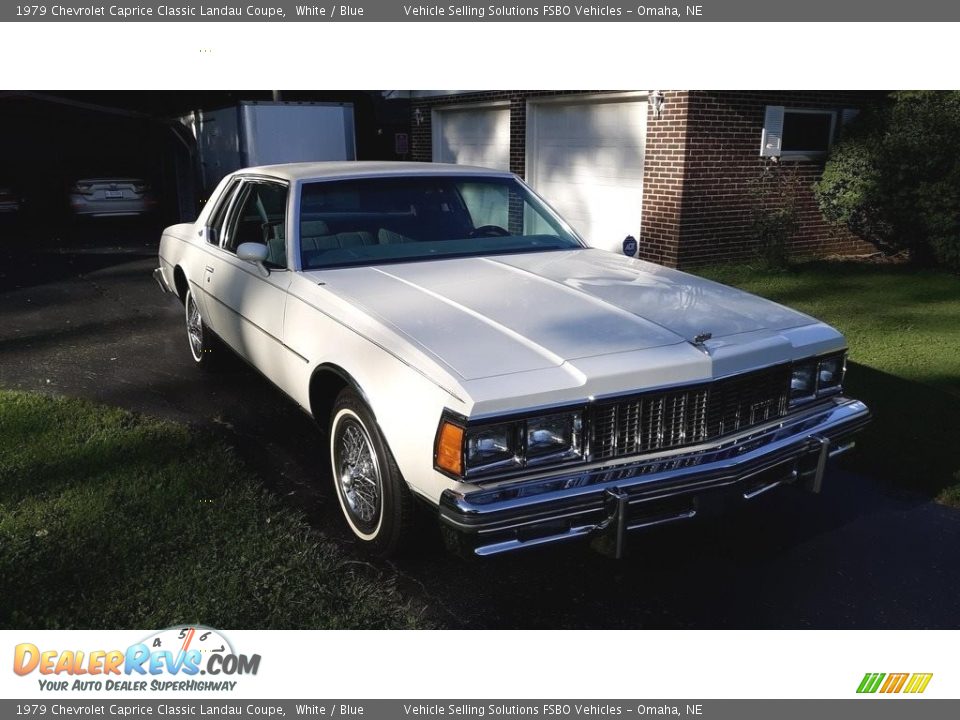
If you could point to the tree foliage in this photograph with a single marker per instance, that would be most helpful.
(894, 177)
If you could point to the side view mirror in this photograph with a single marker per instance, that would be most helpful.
(254, 252)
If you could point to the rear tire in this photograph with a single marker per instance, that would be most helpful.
(373, 496)
(205, 348)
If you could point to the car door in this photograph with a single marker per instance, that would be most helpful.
(250, 300)
(212, 236)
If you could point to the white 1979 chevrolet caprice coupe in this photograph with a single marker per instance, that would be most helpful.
(462, 345)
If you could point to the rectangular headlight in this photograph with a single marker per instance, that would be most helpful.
(493, 447)
(803, 380)
(817, 377)
(554, 437)
(465, 450)
(830, 374)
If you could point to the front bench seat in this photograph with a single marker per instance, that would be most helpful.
(336, 241)
(277, 252)
(389, 237)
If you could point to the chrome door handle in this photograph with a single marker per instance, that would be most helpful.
(209, 269)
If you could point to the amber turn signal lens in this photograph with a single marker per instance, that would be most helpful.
(450, 448)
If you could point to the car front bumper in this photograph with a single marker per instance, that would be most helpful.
(613, 500)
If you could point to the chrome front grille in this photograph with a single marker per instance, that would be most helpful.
(674, 418)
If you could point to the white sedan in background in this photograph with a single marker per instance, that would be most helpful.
(112, 197)
(11, 201)
(461, 345)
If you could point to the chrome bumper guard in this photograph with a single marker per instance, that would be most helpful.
(605, 503)
(161, 281)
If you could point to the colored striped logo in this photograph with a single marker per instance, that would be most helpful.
(894, 683)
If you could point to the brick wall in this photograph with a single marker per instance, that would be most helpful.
(722, 156)
(700, 156)
(664, 173)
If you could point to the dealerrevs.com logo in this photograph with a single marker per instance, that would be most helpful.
(172, 659)
(910, 683)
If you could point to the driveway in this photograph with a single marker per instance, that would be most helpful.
(91, 322)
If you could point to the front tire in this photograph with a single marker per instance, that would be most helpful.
(373, 496)
(204, 348)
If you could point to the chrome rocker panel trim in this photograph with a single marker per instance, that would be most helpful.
(652, 491)
(161, 280)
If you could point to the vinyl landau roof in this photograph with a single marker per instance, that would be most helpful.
(366, 168)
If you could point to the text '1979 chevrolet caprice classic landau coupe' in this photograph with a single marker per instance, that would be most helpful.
(461, 345)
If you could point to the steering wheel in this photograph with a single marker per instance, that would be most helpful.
(489, 231)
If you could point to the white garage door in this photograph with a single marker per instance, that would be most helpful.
(586, 158)
(477, 136)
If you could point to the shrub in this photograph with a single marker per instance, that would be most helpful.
(894, 177)
(773, 212)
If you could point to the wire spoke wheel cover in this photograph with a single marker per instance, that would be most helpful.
(373, 496)
(357, 473)
(194, 328)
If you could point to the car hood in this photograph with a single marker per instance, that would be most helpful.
(491, 316)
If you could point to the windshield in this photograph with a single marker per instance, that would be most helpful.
(397, 219)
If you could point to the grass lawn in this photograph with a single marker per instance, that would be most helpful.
(110, 520)
(903, 327)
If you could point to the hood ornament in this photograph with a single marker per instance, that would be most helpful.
(699, 342)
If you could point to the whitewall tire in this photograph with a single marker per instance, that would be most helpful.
(373, 497)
